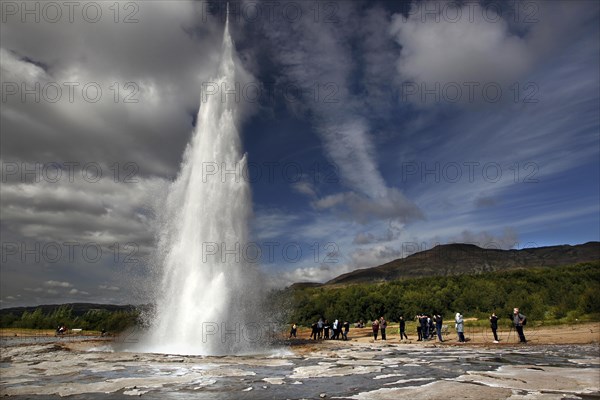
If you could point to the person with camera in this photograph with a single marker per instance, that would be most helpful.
(460, 327)
(494, 326)
(519, 320)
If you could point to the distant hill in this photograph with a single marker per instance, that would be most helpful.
(303, 285)
(79, 309)
(458, 259)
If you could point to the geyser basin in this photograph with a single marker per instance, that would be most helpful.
(338, 369)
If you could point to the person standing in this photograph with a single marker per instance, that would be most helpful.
(346, 327)
(320, 328)
(314, 331)
(519, 320)
(326, 329)
(375, 326)
(494, 326)
(419, 332)
(403, 328)
(293, 330)
(438, 326)
(430, 327)
(382, 327)
(424, 327)
(460, 327)
(334, 329)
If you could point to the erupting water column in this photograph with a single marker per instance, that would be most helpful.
(207, 302)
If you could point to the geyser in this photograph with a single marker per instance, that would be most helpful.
(208, 304)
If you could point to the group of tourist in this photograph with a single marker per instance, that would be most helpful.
(519, 321)
(322, 329)
(379, 325)
(428, 327)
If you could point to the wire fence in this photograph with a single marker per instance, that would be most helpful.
(21, 335)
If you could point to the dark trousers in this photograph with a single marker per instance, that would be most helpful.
(402, 333)
(461, 337)
(424, 332)
(495, 334)
(375, 334)
(382, 334)
(521, 335)
(419, 333)
(438, 329)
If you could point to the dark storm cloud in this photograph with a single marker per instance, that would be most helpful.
(159, 71)
(113, 95)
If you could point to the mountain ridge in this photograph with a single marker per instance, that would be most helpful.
(463, 258)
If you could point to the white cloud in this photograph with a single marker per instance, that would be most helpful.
(77, 291)
(479, 47)
(346, 135)
(508, 239)
(272, 223)
(391, 205)
(376, 255)
(470, 49)
(318, 274)
(58, 284)
(108, 287)
(16, 70)
(305, 188)
(393, 232)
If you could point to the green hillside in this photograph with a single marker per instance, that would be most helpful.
(547, 293)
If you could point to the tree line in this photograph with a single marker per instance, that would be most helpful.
(544, 294)
(92, 320)
(548, 294)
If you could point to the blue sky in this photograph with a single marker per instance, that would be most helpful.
(381, 128)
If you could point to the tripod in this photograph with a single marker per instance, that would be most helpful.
(510, 332)
(512, 328)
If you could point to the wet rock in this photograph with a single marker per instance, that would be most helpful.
(134, 392)
(274, 381)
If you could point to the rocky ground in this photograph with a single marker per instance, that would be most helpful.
(356, 369)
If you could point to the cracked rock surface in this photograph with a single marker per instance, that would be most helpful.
(335, 369)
